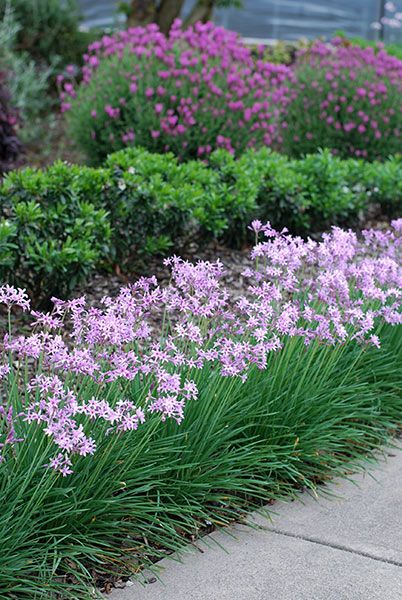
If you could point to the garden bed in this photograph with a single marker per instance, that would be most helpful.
(173, 409)
(163, 398)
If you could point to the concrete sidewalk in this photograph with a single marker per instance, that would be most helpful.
(346, 548)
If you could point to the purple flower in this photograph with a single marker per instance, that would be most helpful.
(333, 291)
(14, 297)
(182, 72)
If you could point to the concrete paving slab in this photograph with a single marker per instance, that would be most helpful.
(263, 565)
(366, 515)
(348, 548)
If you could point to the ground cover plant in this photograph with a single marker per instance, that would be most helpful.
(166, 409)
(347, 99)
(191, 92)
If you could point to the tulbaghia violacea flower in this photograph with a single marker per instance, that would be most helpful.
(105, 370)
(11, 296)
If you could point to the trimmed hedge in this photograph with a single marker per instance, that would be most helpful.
(162, 202)
(53, 232)
(58, 225)
(311, 194)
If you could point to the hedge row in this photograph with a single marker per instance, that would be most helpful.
(59, 224)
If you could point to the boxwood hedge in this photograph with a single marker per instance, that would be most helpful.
(58, 224)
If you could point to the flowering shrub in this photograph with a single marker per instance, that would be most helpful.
(190, 398)
(10, 146)
(347, 99)
(394, 49)
(195, 91)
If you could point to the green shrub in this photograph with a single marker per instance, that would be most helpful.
(280, 52)
(310, 194)
(241, 181)
(323, 191)
(47, 29)
(58, 225)
(154, 201)
(172, 201)
(283, 192)
(383, 184)
(61, 223)
(51, 237)
(28, 83)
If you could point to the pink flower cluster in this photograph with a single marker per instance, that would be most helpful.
(331, 291)
(104, 370)
(194, 91)
(346, 98)
(201, 88)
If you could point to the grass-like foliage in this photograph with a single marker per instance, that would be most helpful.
(131, 434)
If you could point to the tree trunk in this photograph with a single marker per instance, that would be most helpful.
(202, 11)
(141, 12)
(167, 12)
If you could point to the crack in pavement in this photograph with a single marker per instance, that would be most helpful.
(334, 545)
